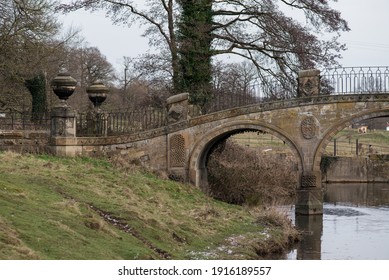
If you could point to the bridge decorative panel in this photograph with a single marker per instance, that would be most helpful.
(177, 151)
(308, 127)
(308, 181)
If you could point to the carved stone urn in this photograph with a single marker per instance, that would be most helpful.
(63, 86)
(97, 93)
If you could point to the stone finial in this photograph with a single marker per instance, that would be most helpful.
(308, 83)
(97, 93)
(63, 86)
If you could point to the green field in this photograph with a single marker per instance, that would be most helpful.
(81, 208)
(372, 142)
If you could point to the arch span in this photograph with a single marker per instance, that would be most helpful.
(339, 127)
(201, 149)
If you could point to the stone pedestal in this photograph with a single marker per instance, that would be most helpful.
(102, 119)
(63, 122)
(63, 131)
(177, 106)
(97, 123)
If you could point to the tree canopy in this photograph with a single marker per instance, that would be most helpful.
(28, 30)
(265, 32)
(34, 47)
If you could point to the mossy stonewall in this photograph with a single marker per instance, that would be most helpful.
(82, 208)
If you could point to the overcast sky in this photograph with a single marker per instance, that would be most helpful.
(367, 42)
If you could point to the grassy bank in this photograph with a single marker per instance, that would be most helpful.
(81, 208)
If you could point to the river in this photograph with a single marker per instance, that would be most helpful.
(354, 226)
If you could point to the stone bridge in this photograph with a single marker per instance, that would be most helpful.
(181, 148)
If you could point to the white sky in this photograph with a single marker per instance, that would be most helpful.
(367, 42)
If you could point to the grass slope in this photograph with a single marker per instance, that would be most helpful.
(82, 208)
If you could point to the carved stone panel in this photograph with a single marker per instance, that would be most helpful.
(308, 127)
(308, 83)
(61, 127)
(177, 151)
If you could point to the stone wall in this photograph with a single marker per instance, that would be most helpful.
(361, 169)
(25, 141)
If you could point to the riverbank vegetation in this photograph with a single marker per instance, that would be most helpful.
(82, 208)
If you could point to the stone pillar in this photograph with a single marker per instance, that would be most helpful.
(63, 122)
(103, 123)
(63, 118)
(309, 192)
(63, 131)
(177, 106)
(97, 123)
(97, 94)
(308, 83)
(177, 152)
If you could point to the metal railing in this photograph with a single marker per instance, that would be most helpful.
(355, 148)
(335, 81)
(355, 80)
(119, 123)
(258, 91)
(11, 121)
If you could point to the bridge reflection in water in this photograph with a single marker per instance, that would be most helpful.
(355, 224)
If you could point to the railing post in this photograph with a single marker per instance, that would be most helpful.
(308, 83)
(357, 146)
(335, 148)
(12, 121)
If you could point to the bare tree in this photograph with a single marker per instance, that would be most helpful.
(31, 52)
(91, 66)
(233, 78)
(149, 73)
(87, 65)
(262, 31)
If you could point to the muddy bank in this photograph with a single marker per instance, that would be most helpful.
(277, 238)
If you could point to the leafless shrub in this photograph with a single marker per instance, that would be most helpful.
(242, 175)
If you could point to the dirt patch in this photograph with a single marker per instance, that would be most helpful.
(122, 225)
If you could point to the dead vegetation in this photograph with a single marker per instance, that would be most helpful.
(244, 175)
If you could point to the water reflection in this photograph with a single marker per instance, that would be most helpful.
(312, 229)
(363, 194)
(355, 225)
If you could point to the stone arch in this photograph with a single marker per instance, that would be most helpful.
(201, 149)
(339, 126)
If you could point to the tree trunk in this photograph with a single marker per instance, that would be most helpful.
(195, 40)
(37, 88)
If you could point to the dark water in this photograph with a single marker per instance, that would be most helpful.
(355, 225)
